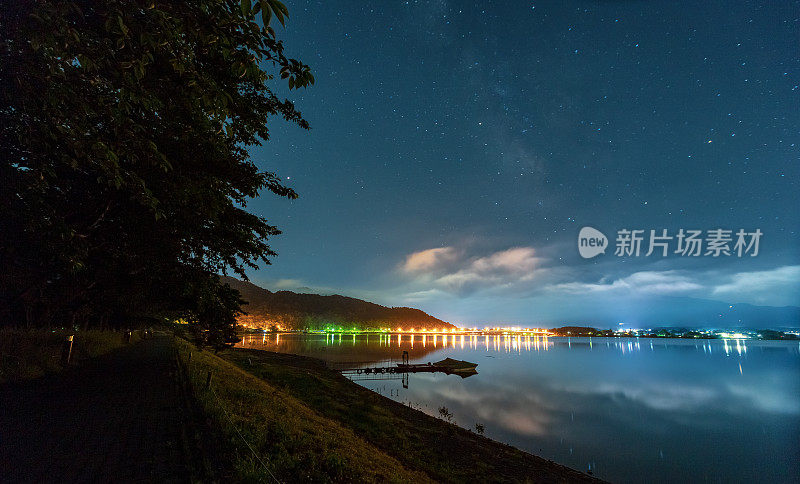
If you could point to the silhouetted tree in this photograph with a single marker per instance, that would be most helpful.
(124, 135)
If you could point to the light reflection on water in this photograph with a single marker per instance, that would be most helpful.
(631, 409)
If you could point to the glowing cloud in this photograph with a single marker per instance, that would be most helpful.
(446, 268)
(429, 260)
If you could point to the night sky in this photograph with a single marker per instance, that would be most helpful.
(458, 148)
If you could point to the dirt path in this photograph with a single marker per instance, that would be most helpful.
(121, 417)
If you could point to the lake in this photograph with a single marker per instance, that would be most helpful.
(629, 409)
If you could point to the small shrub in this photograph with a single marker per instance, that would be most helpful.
(32, 353)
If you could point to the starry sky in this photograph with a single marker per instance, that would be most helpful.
(457, 149)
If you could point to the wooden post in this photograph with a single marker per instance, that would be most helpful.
(208, 380)
(190, 356)
(66, 350)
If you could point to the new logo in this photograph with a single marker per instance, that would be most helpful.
(591, 242)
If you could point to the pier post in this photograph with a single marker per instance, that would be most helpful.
(66, 350)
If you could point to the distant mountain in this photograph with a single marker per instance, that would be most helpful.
(293, 310)
(690, 311)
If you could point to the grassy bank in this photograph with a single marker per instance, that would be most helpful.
(268, 416)
(28, 354)
(312, 423)
(294, 442)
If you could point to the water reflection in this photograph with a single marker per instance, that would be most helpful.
(632, 409)
(313, 343)
(316, 343)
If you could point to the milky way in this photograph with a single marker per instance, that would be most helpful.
(483, 128)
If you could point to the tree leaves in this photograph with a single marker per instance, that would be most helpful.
(267, 9)
(125, 163)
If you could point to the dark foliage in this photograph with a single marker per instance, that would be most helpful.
(576, 331)
(124, 128)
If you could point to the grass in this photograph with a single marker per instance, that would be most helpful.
(295, 442)
(26, 354)
(440, 450)
(287, 416)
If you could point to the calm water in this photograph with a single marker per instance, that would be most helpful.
(632, 410)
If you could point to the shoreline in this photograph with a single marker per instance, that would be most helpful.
(787, 336)
(441, 450)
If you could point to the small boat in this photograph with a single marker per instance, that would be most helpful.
(456, 366)
(447, 365)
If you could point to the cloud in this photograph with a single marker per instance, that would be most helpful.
(779, 286)
(430, 260)
(424, 295)
(472, 285)
(516, 260)
(294, 285)
(287, 284)
(774, 287)
(448, 269)
(524, 412)
(766, 398)
(662, 395)
(646, 282)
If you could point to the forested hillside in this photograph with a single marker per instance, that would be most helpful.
(291, 310)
